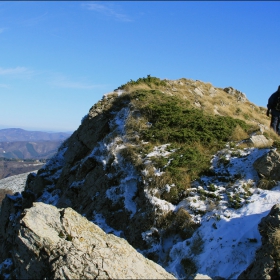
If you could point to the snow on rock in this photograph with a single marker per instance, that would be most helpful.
(159, 151)
(161, 204)
(53, 167)
(50, 196)
(15, 183)
(101, 222)
(126, 190)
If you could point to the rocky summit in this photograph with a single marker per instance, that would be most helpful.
(146, 188)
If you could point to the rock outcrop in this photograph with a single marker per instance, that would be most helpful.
(91, 175)
(267, 261)
(269, 165)
(260, 141)
(54, 243)
(241, 97)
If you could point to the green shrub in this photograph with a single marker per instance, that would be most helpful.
(179, 222)
(235, 201)
(189, 267)
(276, 144)
(148, 81)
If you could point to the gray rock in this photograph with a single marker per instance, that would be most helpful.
(241, 97)
(266, 264)
(269, 165)
(260, 141)
(198, 91)
(212, 91)
(61, 244)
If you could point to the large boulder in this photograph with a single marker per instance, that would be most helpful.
(269, 165)
(267, 261)
(54, 243)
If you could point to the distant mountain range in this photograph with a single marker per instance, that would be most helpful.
(18, 134)
(22, 151)
(16, 143)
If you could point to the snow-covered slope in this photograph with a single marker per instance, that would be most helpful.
(15, 183)
(226, 242)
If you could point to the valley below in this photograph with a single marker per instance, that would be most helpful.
(11, 167)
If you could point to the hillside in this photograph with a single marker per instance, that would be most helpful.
(22, 151)
(28, 150)
(170, 166)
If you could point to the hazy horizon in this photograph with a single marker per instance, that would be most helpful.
(35, 129)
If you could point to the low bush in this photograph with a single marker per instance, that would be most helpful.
(189, 267)
(179, 222)
(149, 80)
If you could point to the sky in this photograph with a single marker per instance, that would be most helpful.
(58, 58)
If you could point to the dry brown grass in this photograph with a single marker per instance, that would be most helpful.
(135, 122)
(131, 154)
(211, 205)
(179, 222)
(130, 88)
(275, 237)
(225, 104)
(270, 133)
(239, 134)
(266, 184)
(160, 182)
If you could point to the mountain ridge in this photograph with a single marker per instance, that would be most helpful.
(18, 134)
(19, 149)
(153, 161)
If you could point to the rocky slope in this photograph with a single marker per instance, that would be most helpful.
(138, 167)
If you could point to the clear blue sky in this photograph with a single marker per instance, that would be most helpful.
(58, 58)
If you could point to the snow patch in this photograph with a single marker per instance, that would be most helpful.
(229, 236)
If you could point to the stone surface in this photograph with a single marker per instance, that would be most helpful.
(266, 264)
(260, 141)
(61, 244)
(269, 165)
(241, 97)
(198, 91)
